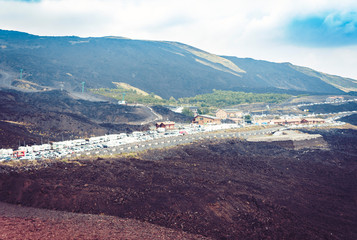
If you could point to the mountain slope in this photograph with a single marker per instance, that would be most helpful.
(345, 84)
(287, 76)
(55, 115)
(164, 68)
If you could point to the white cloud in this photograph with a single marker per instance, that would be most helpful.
(254, 28)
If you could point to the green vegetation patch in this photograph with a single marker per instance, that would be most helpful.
(221, 98)
(217, 99)
(130, 96)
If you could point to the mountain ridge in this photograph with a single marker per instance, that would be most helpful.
(160, 67)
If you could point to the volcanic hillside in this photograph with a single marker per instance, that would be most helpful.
(222, 189)
(163, 68)
(52, 115)
(331, 108)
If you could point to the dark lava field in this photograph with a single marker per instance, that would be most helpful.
(35, 117)
(223, 189)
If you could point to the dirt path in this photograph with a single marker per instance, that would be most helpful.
(158, 116)
(151, 115)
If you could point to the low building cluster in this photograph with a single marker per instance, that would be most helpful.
(234, 115)
(199, 123)
(206, 119)
(289, 121)
(168, 125)
(335, 99)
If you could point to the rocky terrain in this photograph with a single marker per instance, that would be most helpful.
(35, 117)
(18, 222)
(331, 108)
(352, 119)
(167, 114)
(222, 189)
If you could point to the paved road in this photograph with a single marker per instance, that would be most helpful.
(172, 141)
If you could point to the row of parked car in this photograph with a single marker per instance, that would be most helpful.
(64, 148)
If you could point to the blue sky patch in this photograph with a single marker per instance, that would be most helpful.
(329, 30)
(29, 1)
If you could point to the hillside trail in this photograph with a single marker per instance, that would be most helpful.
(152, 115)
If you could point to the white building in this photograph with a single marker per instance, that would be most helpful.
(43, 147)
(94, 140)
(79, 142)
(6, 152)
(112, 137)
(28, 149)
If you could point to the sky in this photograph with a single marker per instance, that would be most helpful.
(320, 34)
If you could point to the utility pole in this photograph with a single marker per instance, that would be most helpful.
(83, 87)
(122, 102)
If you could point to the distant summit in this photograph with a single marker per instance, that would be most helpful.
(163, 68)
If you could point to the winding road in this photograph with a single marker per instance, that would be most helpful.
(152, 116)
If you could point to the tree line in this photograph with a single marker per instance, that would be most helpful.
(216, 99)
